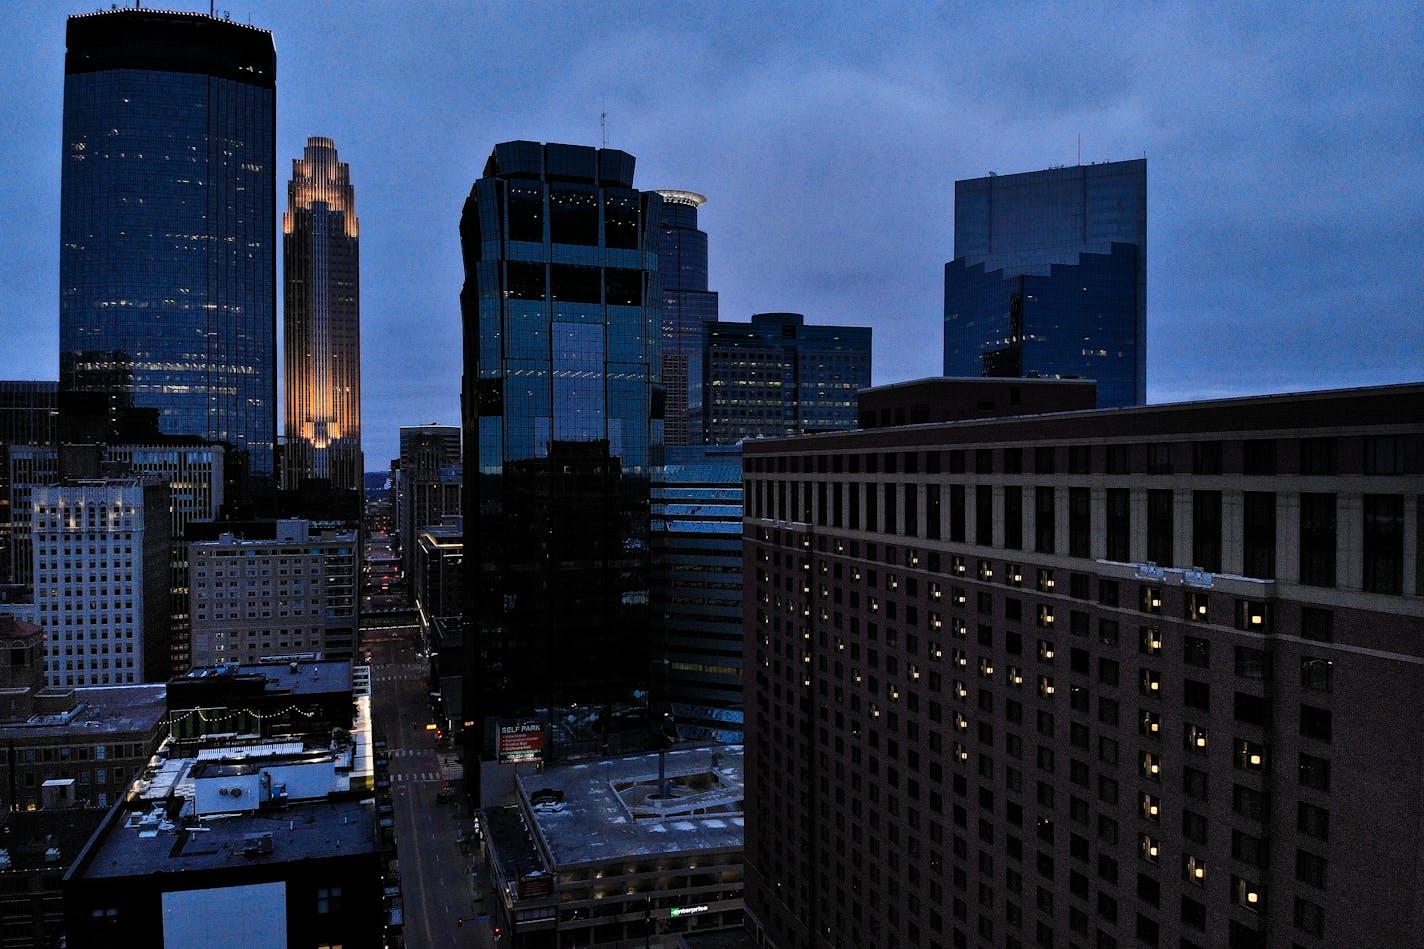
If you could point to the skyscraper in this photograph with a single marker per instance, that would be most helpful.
(688, 306)
(1049, 278)
(563, 422)
(322, 322)
(167, 278)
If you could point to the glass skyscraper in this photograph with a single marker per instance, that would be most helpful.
(1049, 278)
(563, 416)
(167, 223)
(688, 306)
(322, 321)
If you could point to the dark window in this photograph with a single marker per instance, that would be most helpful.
(1253, 663)
(1206, 530)
(983, 515)
(956, 513)
(526, 214)
(1315, 723)
(620, 220)
(1013, 517)
(984, 461)
(1159, 526)
(1119, 524)
(624, 287)
(1118, 457)
(1259, 457)
(1309, 917)
(1384, 543)
(1196, 652)
(932, 512)
(1080, 459)
(1317, 456)
(573, 215)
(1013, 461)
(1258, 530)
(1312, 820)
(1196, 694)
(524, 281)
(1317, 540)
(1206, 458)
(1080, 522)
(1317, 624)
(1159, 458)
(1044, 516)
(1391, 454)
(1194, 827)
(1251, 709)
(1248, 802)
(1314, 772)
(1043, 460)
(570, 283)
(1310, 868)
(1194, 783)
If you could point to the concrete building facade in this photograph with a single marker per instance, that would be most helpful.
(1111, 678)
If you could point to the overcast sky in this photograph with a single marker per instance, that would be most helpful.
(1285, 148)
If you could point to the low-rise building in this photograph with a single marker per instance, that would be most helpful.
(278, 840)
(620, 851)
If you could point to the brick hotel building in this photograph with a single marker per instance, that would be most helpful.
(1098, 678)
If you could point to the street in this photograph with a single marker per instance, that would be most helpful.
(440, 909)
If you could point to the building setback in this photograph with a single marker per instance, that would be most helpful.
(563, 414)
(102, 555)
(322, 321)
(777, 376)
(1112, 677)
(1049, 278)
(27, 417)
(167, 224)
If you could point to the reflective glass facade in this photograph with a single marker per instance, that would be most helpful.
(1049, 278)
(697, 591)
(688, 306)
(322, 322)
(563, 419)
(167, 283)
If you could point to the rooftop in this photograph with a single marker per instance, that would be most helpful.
(294, 677)
(611, 810)
(139, 842)
(98, 710)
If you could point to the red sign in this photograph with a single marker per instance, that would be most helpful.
(521, 741)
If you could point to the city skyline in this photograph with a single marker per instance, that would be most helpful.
(1283, 189)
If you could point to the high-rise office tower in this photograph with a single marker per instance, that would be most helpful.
(696, 592)
(27, 417)
(1049, 278)
(167, 225)
(322, 322)
(563, 420)
(777, 376)
(1112, 677)
(101, 580)
(688, 306)
(428, 483)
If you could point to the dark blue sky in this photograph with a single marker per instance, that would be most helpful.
(1285, 147)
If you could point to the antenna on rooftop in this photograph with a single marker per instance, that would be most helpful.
(603, 126)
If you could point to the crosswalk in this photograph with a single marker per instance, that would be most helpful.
(416, 777)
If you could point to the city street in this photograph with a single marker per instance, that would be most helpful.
(440, 909)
